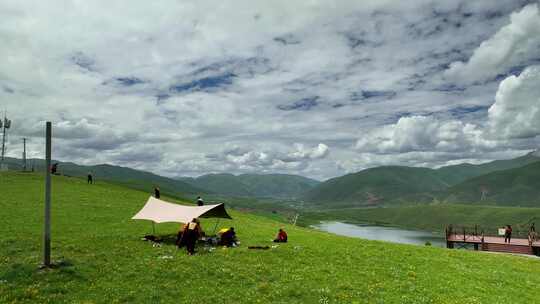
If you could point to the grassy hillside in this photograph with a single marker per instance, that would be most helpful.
(378, 186)
(137, 179)
(456, 174)
(431, 217)
(254, 185)
(394, 185)
(104, 260)
(518, 187)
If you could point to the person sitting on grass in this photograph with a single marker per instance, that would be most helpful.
(228, 238)
(281, 237)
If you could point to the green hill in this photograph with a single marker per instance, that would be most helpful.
(514, 187)
(459, 173)
(378, 186)
(254, 185)
(225, 184)
(103, 260)
(137, 179)
(403, 185)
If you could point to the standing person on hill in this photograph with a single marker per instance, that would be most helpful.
(54, 168)
(200, 201)
(157, 194)
(507, 234)
(90, 179)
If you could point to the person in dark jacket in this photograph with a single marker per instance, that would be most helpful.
(200, 201)
(90, 179)
(54, 168)
(507, 234)
(157, 194)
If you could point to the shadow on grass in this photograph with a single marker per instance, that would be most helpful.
(26, 273)
(169, 240)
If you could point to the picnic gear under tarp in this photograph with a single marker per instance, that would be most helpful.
(160, 211)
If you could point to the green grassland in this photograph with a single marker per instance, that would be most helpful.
(103, 260)
(433, 217)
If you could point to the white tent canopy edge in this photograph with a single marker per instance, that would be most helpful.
(160, 211)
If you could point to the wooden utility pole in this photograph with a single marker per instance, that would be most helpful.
(47, 225)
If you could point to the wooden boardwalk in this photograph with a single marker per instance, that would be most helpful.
(493, 243)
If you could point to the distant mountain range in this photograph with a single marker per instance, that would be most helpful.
(245, 185)
(255, 185)
(463, 183)
(502, 182)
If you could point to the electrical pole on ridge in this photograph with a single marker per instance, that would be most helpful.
(24, 154)
(4, 125)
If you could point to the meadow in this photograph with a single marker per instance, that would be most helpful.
(102, 259)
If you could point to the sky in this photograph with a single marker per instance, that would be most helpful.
(315, 88)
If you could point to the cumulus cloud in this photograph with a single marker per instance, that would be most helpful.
(302, 152)
(247, 160)
(514, 45)
(516, 111)
(422, 133)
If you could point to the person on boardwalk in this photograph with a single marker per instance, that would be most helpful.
(157, 194)
(281, 237)
(190, 235)
(507, 234)
(90, 179)
(533, 237)
(200, 201)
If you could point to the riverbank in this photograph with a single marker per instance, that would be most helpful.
(432, 218)
(383, 233)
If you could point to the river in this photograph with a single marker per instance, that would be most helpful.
(381, 233)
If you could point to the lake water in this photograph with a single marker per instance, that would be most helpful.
(380, 233)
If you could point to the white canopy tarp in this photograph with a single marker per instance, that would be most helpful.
(160, 211)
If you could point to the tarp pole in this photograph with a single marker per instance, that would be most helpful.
(215, 227)
(153, 228)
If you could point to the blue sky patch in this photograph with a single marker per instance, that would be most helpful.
(304, 104)
(84, 61)
(205, 83)
(128, 81)
(464, 110)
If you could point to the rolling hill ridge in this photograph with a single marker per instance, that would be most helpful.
(402, 185)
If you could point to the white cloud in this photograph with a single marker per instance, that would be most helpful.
(513, 45)
(422, 133)
(516, 111)
(302, 152)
